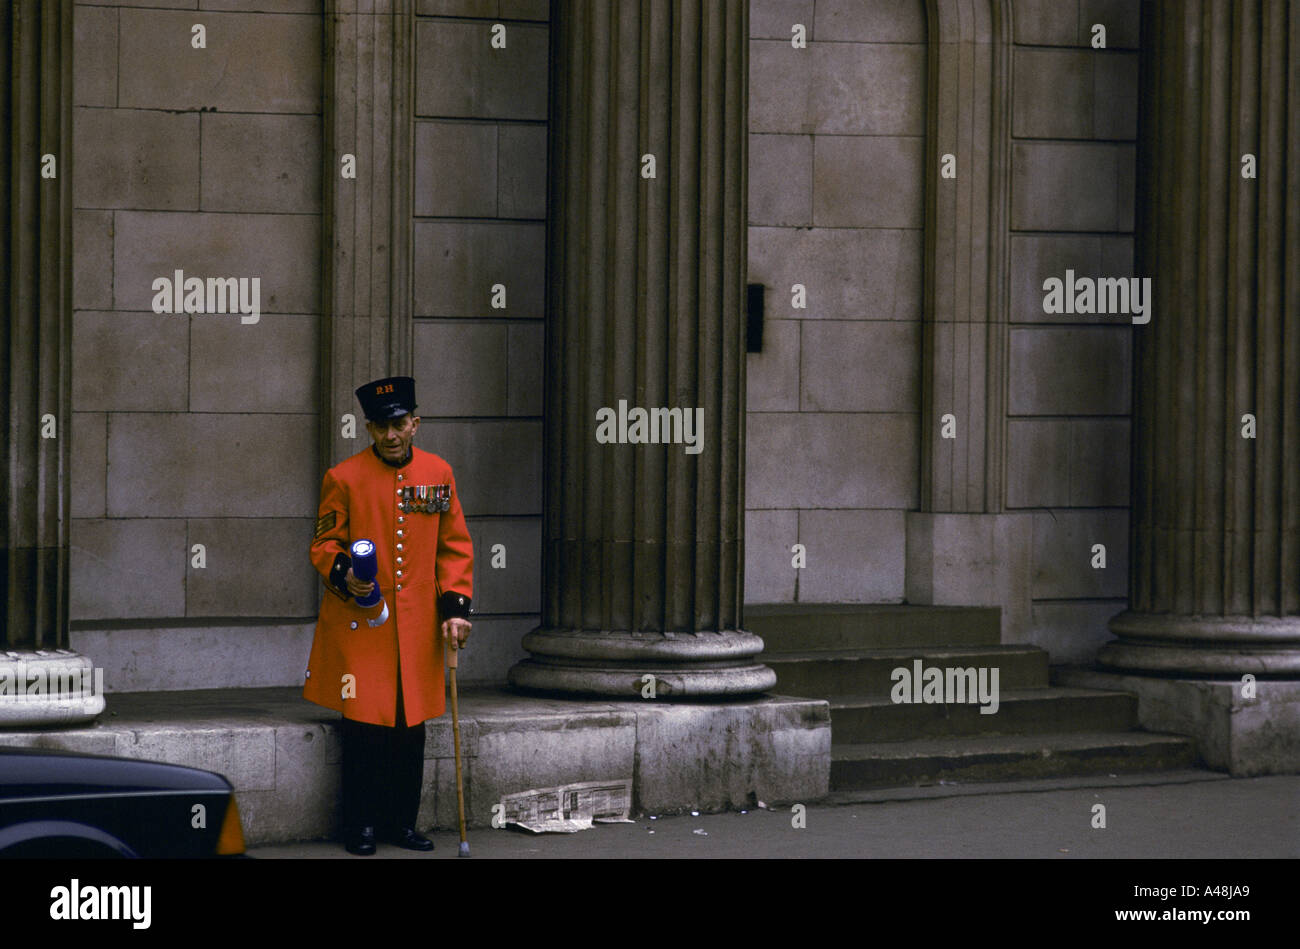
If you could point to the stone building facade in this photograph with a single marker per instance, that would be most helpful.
(838, 184)
(916, 420)
(211, 161)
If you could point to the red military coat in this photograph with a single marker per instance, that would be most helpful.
(360, 498)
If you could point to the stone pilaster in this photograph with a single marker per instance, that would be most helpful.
(1215, 565)
(643, 543)
(366, 323)
(963, 546)
(967, 217)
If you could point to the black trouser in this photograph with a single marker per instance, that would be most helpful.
(383, 770)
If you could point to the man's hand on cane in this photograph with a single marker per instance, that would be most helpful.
(456, 631)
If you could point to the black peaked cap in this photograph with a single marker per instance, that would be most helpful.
(387, 398)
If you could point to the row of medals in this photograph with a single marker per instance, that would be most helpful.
(426, 498)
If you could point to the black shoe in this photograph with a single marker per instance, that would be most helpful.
(408, 839)
(360, 841)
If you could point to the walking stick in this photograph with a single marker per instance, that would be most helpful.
(455, 736)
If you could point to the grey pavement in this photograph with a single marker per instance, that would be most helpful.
(1186, 814)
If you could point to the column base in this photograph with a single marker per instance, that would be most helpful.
(1203, 645)
(621, 664)
(48, 687)
(1250, 734)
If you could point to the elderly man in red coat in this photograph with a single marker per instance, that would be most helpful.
(382, 666)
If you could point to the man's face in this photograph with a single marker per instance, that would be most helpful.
(393, 437)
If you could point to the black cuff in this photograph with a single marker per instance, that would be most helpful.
(339, 575)
(454, 605)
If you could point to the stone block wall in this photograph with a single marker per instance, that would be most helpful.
(479, 222)
(1073, 154)
(837, 142)
(202, 429)
(194, 429)
(836, 204)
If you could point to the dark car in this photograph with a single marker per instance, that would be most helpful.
(63, 804)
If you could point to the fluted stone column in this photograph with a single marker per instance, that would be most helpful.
(36, 304)
(1215, 566)
(36, 245)
(643, 543)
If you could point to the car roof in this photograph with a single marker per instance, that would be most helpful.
(56, 769)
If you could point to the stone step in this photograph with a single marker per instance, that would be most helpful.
(1105, 781)
(794, 627)
(1020, 712)
(856, 766)
(282, 753)
(825, 672)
